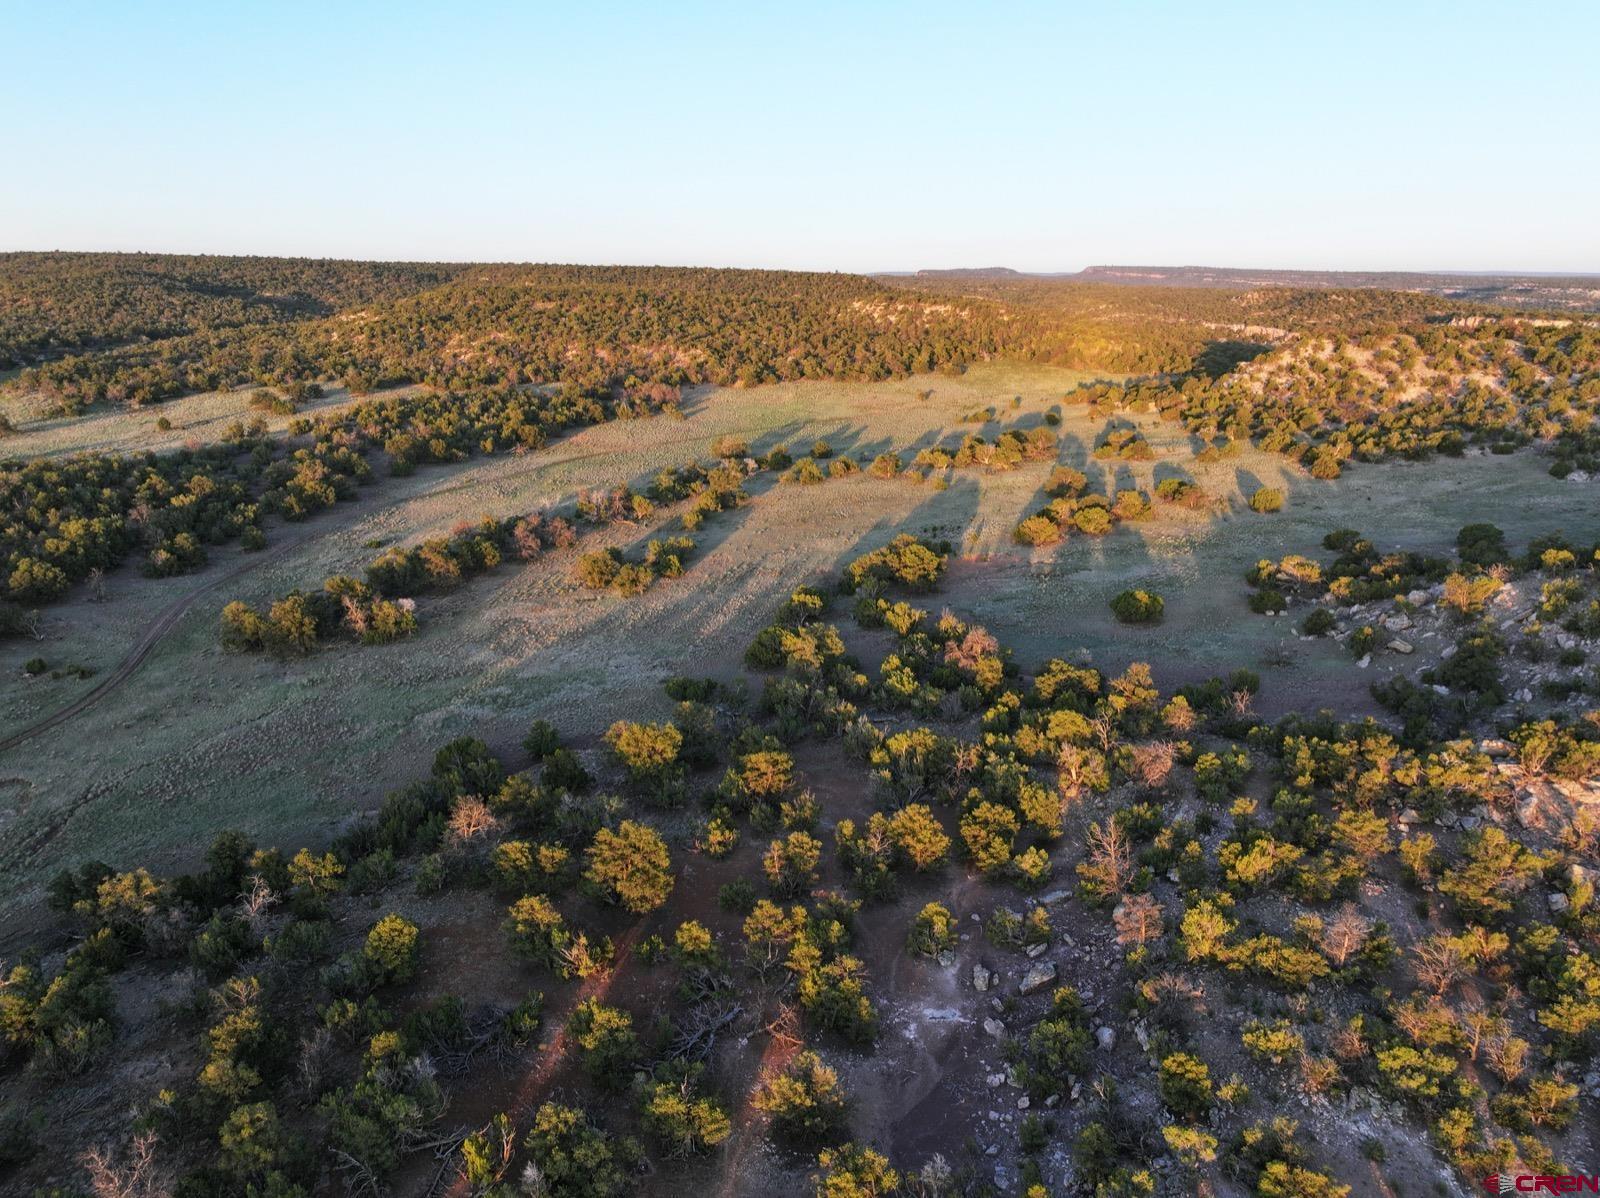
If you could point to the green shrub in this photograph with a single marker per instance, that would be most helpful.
(1138, 607)
(1267, 499)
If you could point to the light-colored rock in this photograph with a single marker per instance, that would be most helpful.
(1403, 647)
(1417, 598)
(1364, 661)
(1557, 902)
(982, 976)
(1035, 951)
(1398, 622)
(994, 1028)
(1106, 1038)
(995, 1080)
(1037, 978)
(1408, 818)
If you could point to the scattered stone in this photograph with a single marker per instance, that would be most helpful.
(1035, 951)
(1364, 662)
(1557, 902)
(1106, 1037)
(1471, 823)
(1037, 978)
(1077, 1089)
(947, 958)
(995, 1080)
(1417, 598)
(1053, 1101)
(1142, 1035)
(1398, 622)
(1408, 818)
(1523, 696)
(1495, 747)
(1403, 647)
(994, 1028)
(1022, 1103)
(1440, 690)
(1055, 896)
(982, 976)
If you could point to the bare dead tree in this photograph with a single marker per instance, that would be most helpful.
(1507, 1056)
(1152, 763)
(470, 822)
(1438, 963)
(1138, 920)
(256, 903)
(131, 1175)
(698, 1029)
(1110, 860)
(1344, 935)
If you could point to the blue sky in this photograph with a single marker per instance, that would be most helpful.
(852, 136)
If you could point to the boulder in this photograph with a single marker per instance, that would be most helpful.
(982, 976)
(994, 1028)
(1106, 1038)
(1399, 646)
(1557, 902)
(1038, 977)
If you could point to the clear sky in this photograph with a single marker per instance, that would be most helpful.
(857, 136)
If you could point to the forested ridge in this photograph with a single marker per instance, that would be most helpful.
(51, 303)
(555, 323)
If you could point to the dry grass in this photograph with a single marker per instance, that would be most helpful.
(200, 740)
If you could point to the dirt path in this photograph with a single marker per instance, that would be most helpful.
(162, 624)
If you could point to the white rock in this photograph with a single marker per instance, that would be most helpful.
(982, 976)
(1399, 646)
(994, 1027)
(1106, 1037)
(1364, 662)
(1037, 978)
(1557, 902)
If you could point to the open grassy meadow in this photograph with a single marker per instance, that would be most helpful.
(199, 739)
